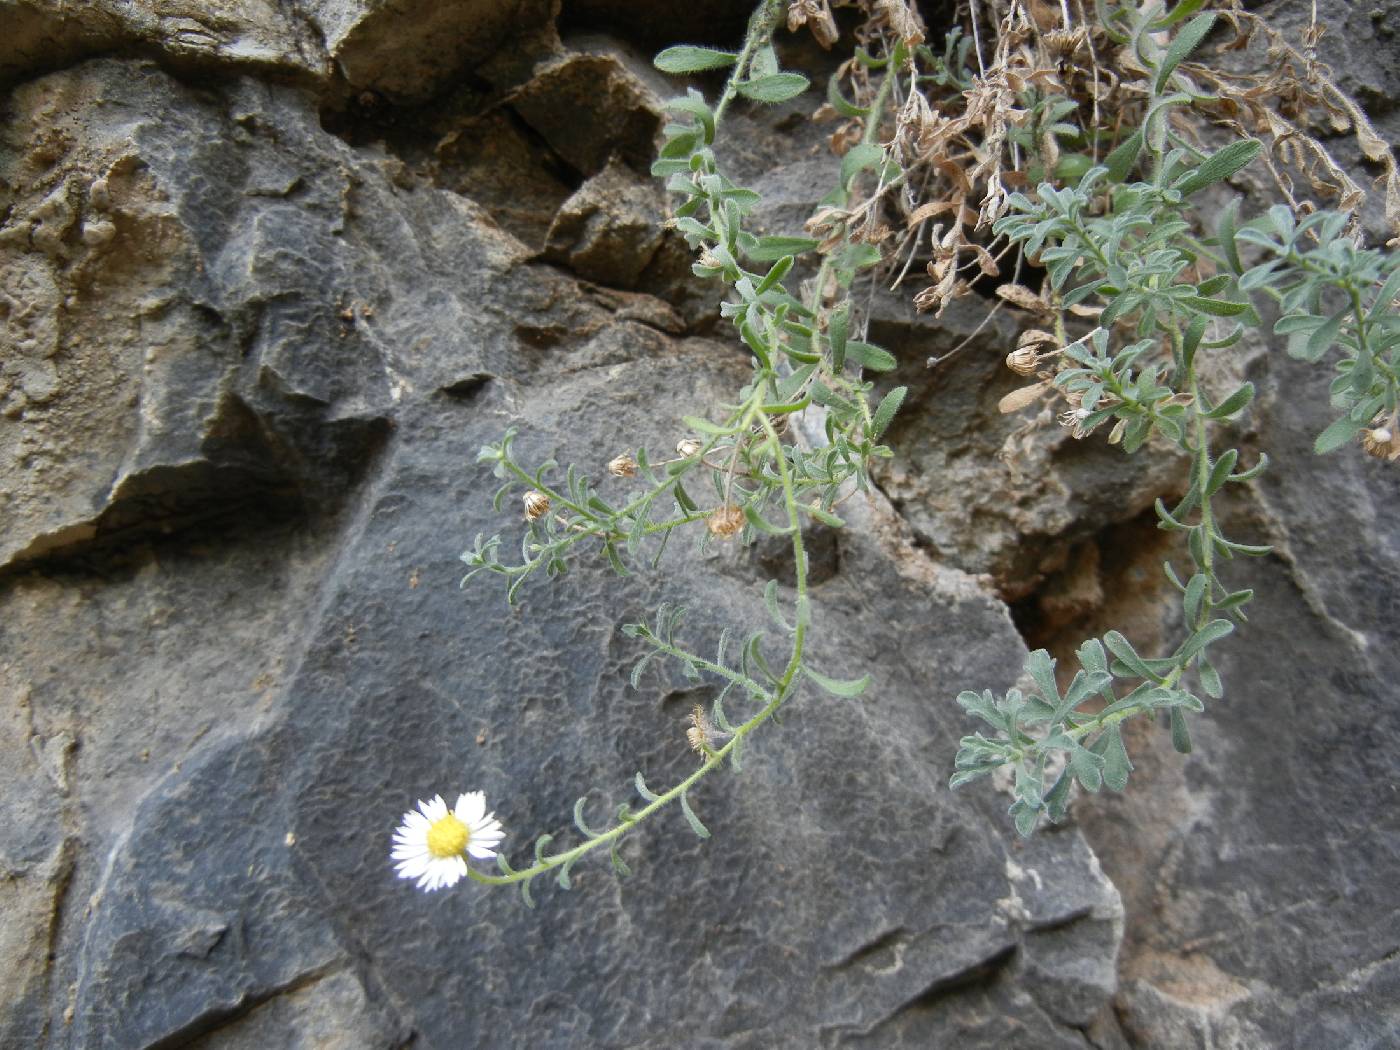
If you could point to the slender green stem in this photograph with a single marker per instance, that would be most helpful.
(761, 27)
(1207, 524)
(708, 665)
(713, 759)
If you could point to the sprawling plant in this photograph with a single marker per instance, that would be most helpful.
(1105, 116)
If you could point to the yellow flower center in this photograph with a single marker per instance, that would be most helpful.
(448, 837)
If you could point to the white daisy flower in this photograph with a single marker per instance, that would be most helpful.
(433, 843)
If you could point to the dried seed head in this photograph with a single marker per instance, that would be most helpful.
(1063, 43)
(688, 447)
(536, 505)
(698, 734)
(623, 466)
(725, 521)
(1381, 442)
(816, 15)
(1023, 361)
(779, 423)
(696, 739)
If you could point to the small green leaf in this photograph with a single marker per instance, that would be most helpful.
(1057, 798)
(1338, 434)
(1221, 472)
(1120, 161)
(1219, 166)
(838, 327)
(1087, 767)
(770, 599)
(771, 249)
(1042, 671)
(778, 87)
(966, 776)
(763, 525)
(540, 844)
(1322, 338)
(1210, 678)
(1025, 817)
(1121, 648)
(839, 102)
(870, 356)
(1181, 736)
(822, 515)
(1225, 232)
(1236, 402)
(1215, 307)
(688, 59)
(1116, 765)
(1211, 632)
(838, 686)
(695, 825)
(578, 819)
(1092, 658)
(777, 273)
(619, 865)
(1195, 595)
(857, 159)
(704, 426)
(1181, 46)
(643, 790)
(884, 415)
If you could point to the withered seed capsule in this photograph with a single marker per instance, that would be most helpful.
(623, 466)
(536, 505)
(725, 521)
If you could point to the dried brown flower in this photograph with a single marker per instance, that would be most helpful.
(623, 466)
(725, 521)
(536, 505)
(1023, 361)
(1381, 442)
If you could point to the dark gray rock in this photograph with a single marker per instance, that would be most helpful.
(248, 361)
(232, 788)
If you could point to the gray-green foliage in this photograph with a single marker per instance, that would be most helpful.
(1130, 248)
(1124, 237)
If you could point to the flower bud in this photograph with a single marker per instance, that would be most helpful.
(725, 521)
(536, 505)
(688, 447)
(623, 466)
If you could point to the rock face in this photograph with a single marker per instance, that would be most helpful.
(267, 283)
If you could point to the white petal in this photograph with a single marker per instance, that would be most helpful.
(407, 852)
(414, 819)
(411, 869)
(470, 807)
(434, 809)
(481, 851)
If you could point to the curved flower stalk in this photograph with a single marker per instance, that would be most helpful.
(741, 474)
